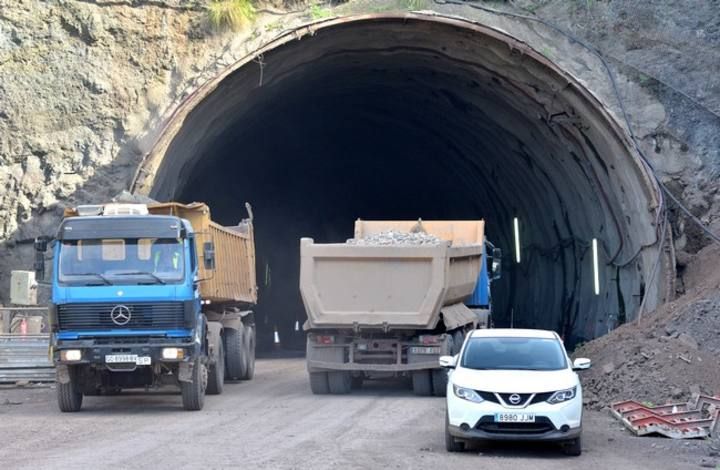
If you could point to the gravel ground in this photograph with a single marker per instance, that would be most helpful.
(275, 422)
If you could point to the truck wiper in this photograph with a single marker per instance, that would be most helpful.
(146, 273)
(99, 276)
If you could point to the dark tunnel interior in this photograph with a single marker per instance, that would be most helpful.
(421, 119)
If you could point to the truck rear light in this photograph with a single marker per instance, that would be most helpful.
(325, 339)
(430, 339)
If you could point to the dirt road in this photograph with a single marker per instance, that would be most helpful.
(274, 422)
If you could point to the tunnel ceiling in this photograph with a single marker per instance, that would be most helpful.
(421, 117)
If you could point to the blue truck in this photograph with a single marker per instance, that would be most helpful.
(149, 295)
(393, 299)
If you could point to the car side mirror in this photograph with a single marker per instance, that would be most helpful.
(581, 363)
(447, 362)
(496, 267)
(209, 255)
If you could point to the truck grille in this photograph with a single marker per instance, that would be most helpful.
(97, 316)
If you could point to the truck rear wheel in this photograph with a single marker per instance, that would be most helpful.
(236, 365)
(439, 382)
(193, 393)
(249, 343)
(319, 383)
(340, 382)
(70, 395)
(216, 374)
(422, 383)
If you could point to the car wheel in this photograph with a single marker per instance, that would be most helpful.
(573, 447)
(451, 444)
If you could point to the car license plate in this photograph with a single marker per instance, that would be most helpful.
(424, 350)
(128, 359)
(514, 417)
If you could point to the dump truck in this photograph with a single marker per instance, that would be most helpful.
(392, 309)
(147, 295)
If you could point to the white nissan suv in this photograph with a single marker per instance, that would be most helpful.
(508, 384)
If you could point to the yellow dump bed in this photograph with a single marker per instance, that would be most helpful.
(233, 279)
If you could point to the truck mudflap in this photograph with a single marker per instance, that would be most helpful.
(185, 372)
(62, 374)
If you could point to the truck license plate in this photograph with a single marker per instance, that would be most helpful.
(128, 359)
(514, 417)
(424, 350)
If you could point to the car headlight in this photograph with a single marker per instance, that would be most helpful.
(562, 395)
(467, 394)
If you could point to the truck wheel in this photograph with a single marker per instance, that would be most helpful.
(422, 383)
(70, 395)
(193, 393)
(340, 382)
(216, 374)
(439, 382)
(249, 343)
(458, 340)
(319, 383)
(235, 359)
(451, 444)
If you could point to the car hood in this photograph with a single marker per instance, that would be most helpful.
(514, 381)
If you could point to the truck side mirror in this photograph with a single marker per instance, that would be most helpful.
(496, 263)
(41, 244)
(209, 255)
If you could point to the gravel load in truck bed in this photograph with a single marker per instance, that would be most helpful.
(393, 238)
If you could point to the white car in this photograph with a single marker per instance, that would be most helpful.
(508, 384)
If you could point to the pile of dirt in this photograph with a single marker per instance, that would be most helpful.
(393, 237)
(669, 355)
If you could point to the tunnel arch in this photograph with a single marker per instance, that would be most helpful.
(422, 116)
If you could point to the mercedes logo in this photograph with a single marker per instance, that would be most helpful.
(120, 315)
(514, 398)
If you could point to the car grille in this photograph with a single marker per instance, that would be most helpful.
(541, 425)
(538, 398)
(94, 316)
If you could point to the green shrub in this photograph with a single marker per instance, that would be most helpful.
(231, 14)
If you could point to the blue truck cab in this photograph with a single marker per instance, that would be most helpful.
(126, 310)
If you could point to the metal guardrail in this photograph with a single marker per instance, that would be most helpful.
(25, 358)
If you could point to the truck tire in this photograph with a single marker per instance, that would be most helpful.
(70, 395)
(216, 374)
(319, 383)
(422, 383)
(249, 343)
(340, 382)
(235, 360)
(193, 393)
(458, 340)
(439, 382)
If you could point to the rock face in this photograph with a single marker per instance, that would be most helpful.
(85, 88)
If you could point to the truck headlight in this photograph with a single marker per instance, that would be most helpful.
(173, 353)
(70, 355)
(563, 395)
(467, 394)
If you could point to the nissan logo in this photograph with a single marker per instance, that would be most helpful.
(120, 315)
(514, 398)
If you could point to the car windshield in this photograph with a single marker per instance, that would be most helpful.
(126, 261)
(514, 354)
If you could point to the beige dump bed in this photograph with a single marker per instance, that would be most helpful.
(233, 279)
(399, 286)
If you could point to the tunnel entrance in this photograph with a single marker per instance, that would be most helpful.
(412, 116)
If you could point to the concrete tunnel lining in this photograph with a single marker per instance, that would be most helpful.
(407, 116)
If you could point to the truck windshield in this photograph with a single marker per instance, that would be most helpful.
(121, 261)
(514, 354)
